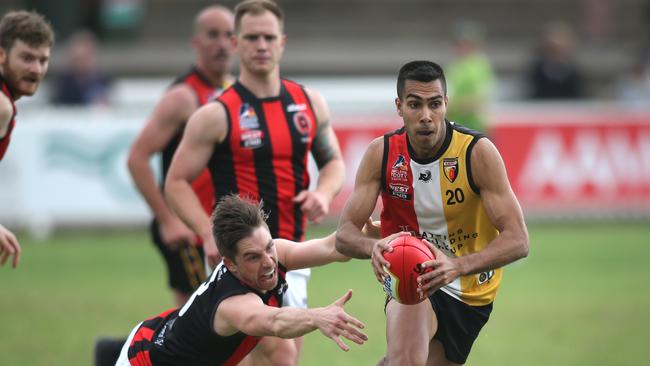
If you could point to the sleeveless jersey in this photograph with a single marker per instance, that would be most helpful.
(4, 141)
(186, 336)
(265, 152)
(204, 92)
(437, 200)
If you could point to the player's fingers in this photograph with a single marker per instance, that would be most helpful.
(354, 321)
(344, 299)
(381, 261)
(428, 286)
(431, 247)
(5, 255)
(354, 335)
(16, 260)
(379, 269)
(340, 343)
(300, 197)
(429, 289)
(318, 219)
(386, 245)
(428, 276)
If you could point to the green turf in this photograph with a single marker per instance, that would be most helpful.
(581, 298)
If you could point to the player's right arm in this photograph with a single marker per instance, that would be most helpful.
(6, 112)
(8, 246)
(206, 128)
(350, 239)
(249, 315)
(170, 114)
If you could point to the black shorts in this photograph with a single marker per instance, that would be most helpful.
(458, 324)
(185, 267)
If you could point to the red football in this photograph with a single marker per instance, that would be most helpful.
(405, 261)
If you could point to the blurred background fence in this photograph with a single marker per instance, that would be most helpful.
(568, 156)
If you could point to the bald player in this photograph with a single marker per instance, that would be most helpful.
(212, 44)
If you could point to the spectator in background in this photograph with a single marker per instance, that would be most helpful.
(82, 83)
(633, 88)
(470, 76)
(554, 73)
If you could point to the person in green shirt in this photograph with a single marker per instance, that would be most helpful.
(470, 78)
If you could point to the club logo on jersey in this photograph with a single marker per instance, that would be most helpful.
(425, 176)
(485, 276)
(450, 167)
(296, 107)
(303, 124)
(397, 175)
(160, 338)
(283, 288)
(400, 163)
(401, 191)
(251, 139)
(248, 118)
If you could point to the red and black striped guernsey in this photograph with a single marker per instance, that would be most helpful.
(265, 153)
(4, 141)
(204, 91)
(185, 336)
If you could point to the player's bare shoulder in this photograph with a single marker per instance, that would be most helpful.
(375, 152)
(210, 122)
(370, 166)
(319, 104)
(486, 163)
(180, 100)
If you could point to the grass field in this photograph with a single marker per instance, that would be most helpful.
(580, 298)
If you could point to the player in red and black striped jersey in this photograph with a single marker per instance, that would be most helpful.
(240, 302)
(25, 42)
(179, 246)
(255, 140)
(212, 42)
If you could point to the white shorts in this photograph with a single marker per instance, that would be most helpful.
(123, 360)
(296, 296)
(297, 280)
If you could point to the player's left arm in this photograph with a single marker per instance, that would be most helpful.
(6, 112)
(319, 251)
(311, 253)
(327, 154)
(249, 315)
(502, 207)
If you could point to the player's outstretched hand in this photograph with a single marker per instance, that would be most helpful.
(379, 263)
(8, 246)
(444, 270)
(175, 233)
(334, 323)
(314, 204)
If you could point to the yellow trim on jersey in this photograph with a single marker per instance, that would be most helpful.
(470, 230)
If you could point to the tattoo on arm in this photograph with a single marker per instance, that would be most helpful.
(321, 148)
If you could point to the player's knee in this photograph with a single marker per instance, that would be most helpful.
(286, 357)
(285, 354)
